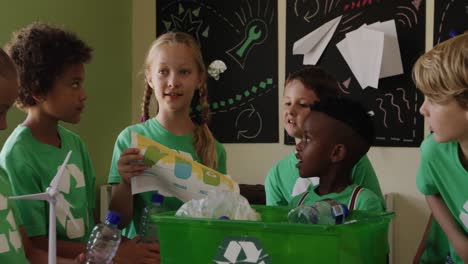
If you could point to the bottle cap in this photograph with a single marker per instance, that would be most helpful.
(113, 217)
(339, 212)
(157, 198)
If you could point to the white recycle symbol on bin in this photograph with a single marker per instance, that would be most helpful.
(235, 250)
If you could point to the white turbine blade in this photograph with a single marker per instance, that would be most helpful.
(37, 196)
(59, 174)
(65, 206)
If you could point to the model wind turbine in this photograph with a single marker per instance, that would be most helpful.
(53, 196)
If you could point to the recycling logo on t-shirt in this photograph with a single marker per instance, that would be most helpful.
(72, 171)
(464, 215)
(11, 239)
(241, 250)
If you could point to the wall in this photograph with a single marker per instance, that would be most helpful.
(106, 26)
(395, 167)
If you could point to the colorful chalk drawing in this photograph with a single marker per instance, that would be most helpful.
(396, 102)
(243, 35)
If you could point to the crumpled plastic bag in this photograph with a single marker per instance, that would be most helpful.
(219, 204)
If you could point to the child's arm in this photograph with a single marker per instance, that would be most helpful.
(33, 254)
(39, 256)
(122, 198)
(66, 249)
(132, 252)
(122, 202)
(443, 216)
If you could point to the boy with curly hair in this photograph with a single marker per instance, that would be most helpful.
(15, 247)
(50, 64)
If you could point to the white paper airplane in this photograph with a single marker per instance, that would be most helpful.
(313, 44)
(53, 196)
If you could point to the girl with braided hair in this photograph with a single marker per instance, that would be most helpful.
(176, 74)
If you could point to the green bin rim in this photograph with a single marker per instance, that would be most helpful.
(371, 217)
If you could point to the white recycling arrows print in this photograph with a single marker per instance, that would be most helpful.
(241, 250)
(464, 215)
(12, 239)
(63, 205)
(250, 250)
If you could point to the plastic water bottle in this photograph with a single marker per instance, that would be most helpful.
(325, 212)
(149, 230)
(104, 240)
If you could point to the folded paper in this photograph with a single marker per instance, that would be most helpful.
(372, 52)
(175, 174)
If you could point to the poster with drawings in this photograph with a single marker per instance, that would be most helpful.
(370, 46)
(239, 42)
(450, 19)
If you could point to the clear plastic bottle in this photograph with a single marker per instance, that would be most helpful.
(104, 240)
(325, 212)
(149, 230)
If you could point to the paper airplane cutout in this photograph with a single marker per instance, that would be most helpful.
(372, 52)
(313, 44)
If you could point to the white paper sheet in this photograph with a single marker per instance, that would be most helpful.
(391, 51)
(372, 52)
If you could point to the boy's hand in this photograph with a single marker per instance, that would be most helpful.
(130, 251)
(130, 164)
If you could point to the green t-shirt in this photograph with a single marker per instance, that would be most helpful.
(153, 130)
(11, 246)
(31, 166)
(366, 199)
(283, 181)
(441, 172)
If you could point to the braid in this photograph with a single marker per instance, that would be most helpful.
(146, 102)
(205, 108)
(203, 139)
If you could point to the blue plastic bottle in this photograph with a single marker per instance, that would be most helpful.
(104, 240)
(325, 212)
(149, 230)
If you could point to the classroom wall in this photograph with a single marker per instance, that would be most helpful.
(121, 32)
(395, 167)
(106, 26)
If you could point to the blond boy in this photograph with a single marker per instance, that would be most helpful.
(442, 75)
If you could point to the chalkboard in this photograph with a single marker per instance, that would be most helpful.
(244, 35)
(396, 102)
(450, 19)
